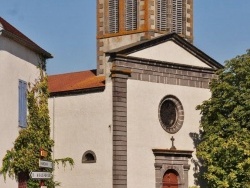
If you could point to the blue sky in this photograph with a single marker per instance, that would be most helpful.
(67, 29)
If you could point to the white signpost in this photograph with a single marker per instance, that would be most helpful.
(42, 164)
(40, 175)
(45, 164)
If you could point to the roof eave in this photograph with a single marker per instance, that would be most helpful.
(77, 91)
(173, 37)
(27, 44)
(197, 52)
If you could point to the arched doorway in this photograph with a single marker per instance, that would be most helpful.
(170, 179)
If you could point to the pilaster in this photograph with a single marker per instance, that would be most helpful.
(119, 77)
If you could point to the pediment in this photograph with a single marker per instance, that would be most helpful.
(169, 52)
(170, 48)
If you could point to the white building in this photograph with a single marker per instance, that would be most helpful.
(123, 122)
(19, 58)
(130, 123)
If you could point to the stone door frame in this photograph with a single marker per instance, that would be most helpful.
(176, 160)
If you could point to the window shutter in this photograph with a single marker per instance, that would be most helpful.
(177, 16)
(22, 103)
(113, 16)
(161, 20)
(169, 15)
(131, 15)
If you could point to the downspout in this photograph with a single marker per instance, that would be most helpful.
(53, 127)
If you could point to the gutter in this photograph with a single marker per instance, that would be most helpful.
(76, 92)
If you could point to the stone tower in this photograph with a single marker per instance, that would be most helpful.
(122, 22)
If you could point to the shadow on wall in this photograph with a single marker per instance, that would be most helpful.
(19, 51)
(199, 169)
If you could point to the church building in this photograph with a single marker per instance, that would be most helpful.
(130, 123)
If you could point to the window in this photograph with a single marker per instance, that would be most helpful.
(171, 114)
(89, 157)
(168, 113)
(117, 9)
(161, 21)
(169, 15)
(22, 104)
(131, 15)
(113, 16)
(177, 16)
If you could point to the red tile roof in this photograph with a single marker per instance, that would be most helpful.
(76, 81)
(13, 33)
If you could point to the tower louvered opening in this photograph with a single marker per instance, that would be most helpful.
(113, 6)
(161, 20)
(177, 16)
(169, 16)
(131, 15)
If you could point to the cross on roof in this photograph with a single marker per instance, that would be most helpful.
(172, 147)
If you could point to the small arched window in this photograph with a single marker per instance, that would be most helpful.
(89, 157)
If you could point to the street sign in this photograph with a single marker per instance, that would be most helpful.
(40, 175)
(45, 164)
(43, 153)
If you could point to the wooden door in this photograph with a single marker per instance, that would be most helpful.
(170, 180)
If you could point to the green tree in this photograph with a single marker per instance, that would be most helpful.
(23, 157)
(225, 139)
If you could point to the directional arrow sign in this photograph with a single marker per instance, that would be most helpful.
(40, 175)
(45, 164)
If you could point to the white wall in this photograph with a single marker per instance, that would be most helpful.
(14, 65)
(170, 52)
(145, 132)
(80, 123)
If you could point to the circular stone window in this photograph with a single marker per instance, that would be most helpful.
(171, 114)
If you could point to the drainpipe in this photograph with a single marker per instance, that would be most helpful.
(53, 127)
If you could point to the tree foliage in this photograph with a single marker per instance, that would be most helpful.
(225, 123)
(23, 157)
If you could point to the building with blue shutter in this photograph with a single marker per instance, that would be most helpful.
(19, 58)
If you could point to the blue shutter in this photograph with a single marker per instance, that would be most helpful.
(22, 103)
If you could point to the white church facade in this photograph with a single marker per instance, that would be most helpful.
(129, 123)
(126, 119)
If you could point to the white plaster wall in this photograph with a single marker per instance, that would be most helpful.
(145, 132)
(170, 52)
(80, 123)
(14, 65)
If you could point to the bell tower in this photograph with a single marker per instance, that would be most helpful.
(122, 22)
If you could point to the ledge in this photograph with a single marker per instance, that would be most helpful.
(168, 152)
